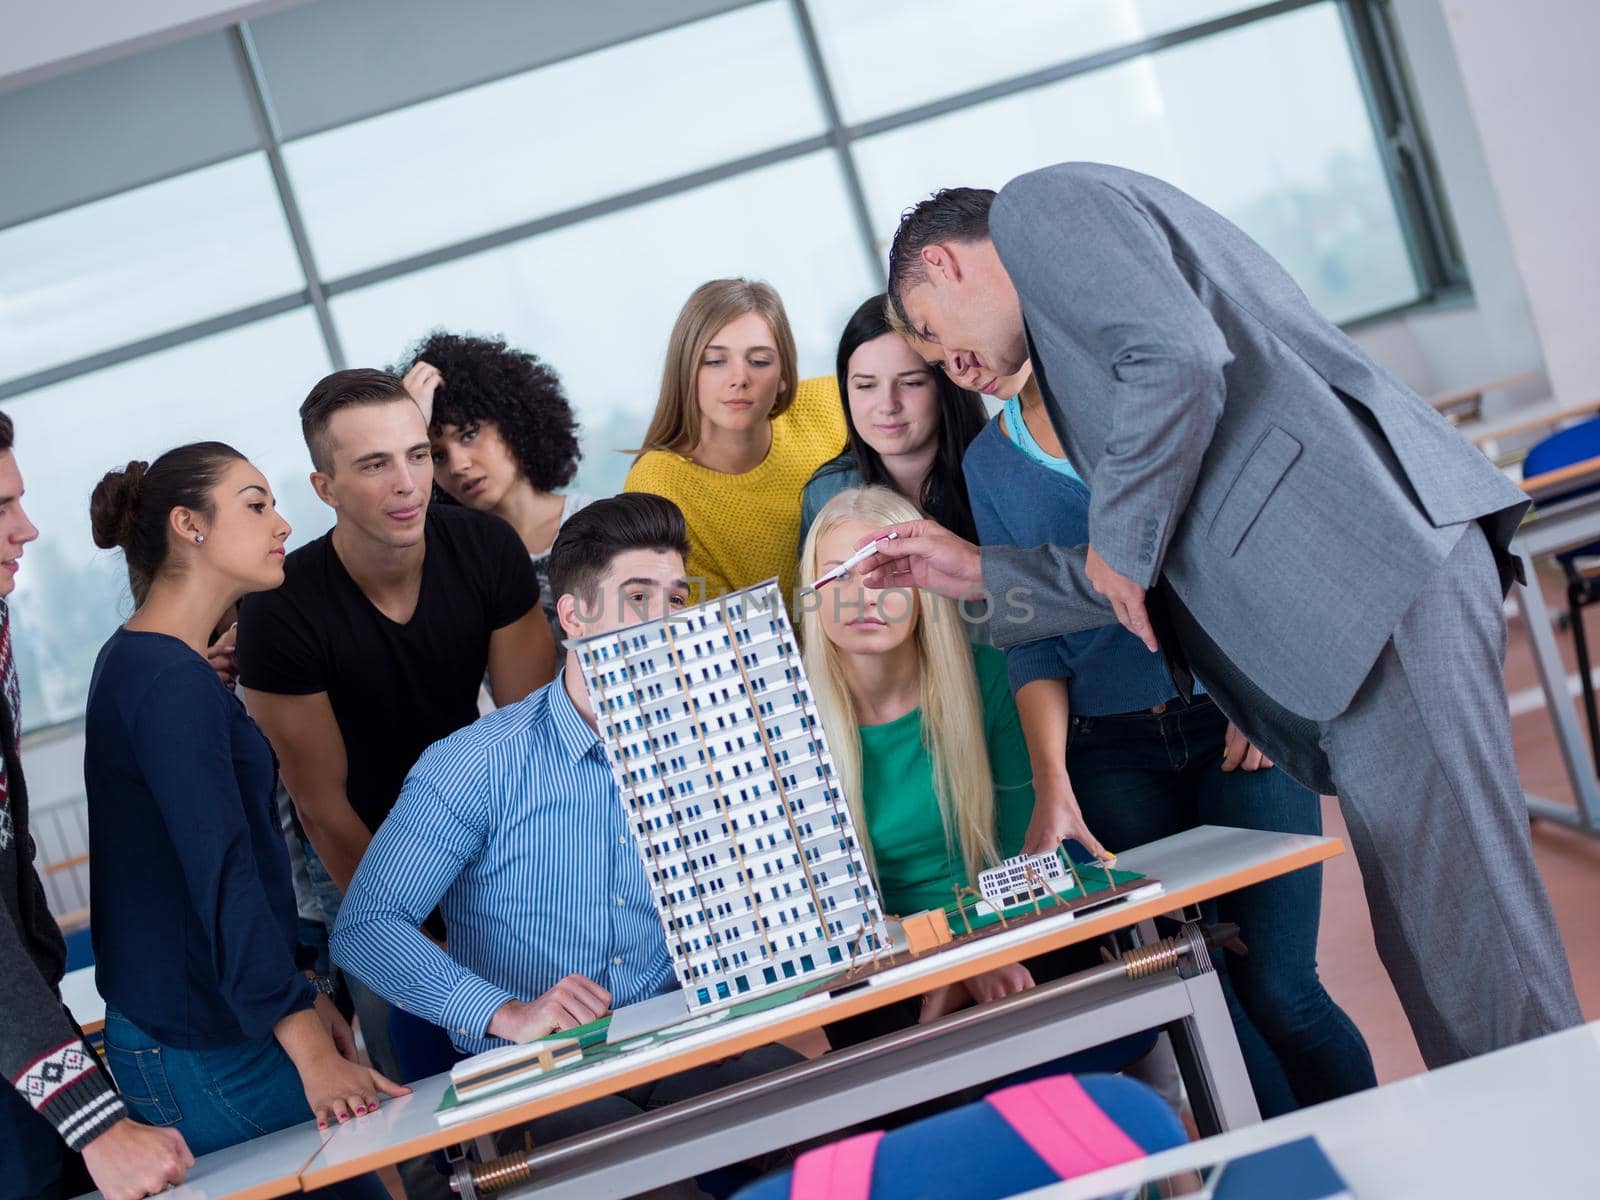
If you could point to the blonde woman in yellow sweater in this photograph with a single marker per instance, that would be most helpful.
(736, 434)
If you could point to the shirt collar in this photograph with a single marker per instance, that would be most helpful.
(572, 731)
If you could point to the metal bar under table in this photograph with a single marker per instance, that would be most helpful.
(832, 1093)
(1565, 525)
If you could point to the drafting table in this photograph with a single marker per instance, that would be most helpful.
(1518, 1122)
(839, 1089)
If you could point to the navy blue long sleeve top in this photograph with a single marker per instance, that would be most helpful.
(194, 913)
(1017, 501)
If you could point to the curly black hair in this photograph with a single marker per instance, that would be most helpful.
(485, 380)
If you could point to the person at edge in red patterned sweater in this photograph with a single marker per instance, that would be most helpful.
(63, 1104)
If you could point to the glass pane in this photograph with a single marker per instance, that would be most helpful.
(141, 262)
(877, 53)
(551, 139)
(243, 387)
(597, 300)
(1301, 175)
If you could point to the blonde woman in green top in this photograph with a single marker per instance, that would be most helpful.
(923, 731)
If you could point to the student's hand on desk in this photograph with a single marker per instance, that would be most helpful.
(130, 1161)
(1126, 596)
(338, 1089)
(1239, 754)
(344, 1038)
(1056, 817)
(924, 555)
(422, 381)
(572, 1002)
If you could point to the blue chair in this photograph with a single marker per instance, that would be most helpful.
(80, 948)
(1562, 449)
(1013, 1141)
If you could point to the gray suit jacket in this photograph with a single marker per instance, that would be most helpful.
(1293, 495)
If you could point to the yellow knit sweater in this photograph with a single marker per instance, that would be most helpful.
(746, 528)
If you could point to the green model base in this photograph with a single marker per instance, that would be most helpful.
(1092, 876)
(592, 1040)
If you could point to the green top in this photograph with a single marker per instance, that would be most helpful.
(916, 869)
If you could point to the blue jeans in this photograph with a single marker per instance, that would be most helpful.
(216, 1098)
(1143, 776)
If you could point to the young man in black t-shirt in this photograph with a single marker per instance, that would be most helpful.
(375, 646)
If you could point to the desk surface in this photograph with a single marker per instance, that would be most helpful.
(1519, 1122)
(82, 998)
(1525, 418)
(1195, 865)
(1583, 473)
(261, 1169)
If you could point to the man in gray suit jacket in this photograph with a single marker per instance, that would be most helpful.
(1294, 523)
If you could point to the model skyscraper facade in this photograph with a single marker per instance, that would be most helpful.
(735, 806)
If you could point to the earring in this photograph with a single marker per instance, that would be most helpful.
(199, 539)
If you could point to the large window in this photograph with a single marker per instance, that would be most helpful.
(326, 184)
(242, 386)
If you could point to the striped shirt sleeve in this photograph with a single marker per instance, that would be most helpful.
(416, 855)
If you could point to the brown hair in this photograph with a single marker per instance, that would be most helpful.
(676, 423)
(343, 389)
(594, 535)
(128, 509)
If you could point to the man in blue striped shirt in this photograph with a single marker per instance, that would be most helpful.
(514, 829)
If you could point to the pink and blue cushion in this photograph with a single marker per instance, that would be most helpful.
(1014, 1140)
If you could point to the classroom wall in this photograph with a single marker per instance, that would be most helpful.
(1528, 74)
(1492, 334)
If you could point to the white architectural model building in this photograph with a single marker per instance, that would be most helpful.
(734, 803)
(1009, 883)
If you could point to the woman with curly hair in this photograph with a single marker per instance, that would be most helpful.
(504, 438)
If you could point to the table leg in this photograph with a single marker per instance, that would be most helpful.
(1210, 1061)
(1553, 679)
(830, 1094)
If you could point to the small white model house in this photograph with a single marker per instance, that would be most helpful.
(1018, 879)
(734, 803)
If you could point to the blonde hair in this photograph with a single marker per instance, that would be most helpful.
(676, 422)
(952, 708)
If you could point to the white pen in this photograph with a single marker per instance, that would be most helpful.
(855, 560)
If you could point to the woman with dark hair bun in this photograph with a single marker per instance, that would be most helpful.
(909, 424)
(211, 1026)
(504, 438)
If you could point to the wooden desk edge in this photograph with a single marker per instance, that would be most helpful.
(1066, 935)
(1572, 471)
(1445, 400)
(1553, 416)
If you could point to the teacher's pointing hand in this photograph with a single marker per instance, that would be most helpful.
(923, 554)
(1126, 596)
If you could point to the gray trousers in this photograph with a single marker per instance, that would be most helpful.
(1428, 785)
(1422, 764)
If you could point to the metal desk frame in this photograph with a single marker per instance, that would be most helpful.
(830, 1094)
(1565, 525)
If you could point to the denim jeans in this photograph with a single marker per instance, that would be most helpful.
(1143, 776)
(216, 1098)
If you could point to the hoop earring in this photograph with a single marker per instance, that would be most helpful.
(199, 539)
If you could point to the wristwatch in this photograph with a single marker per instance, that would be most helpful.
(321, 984)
